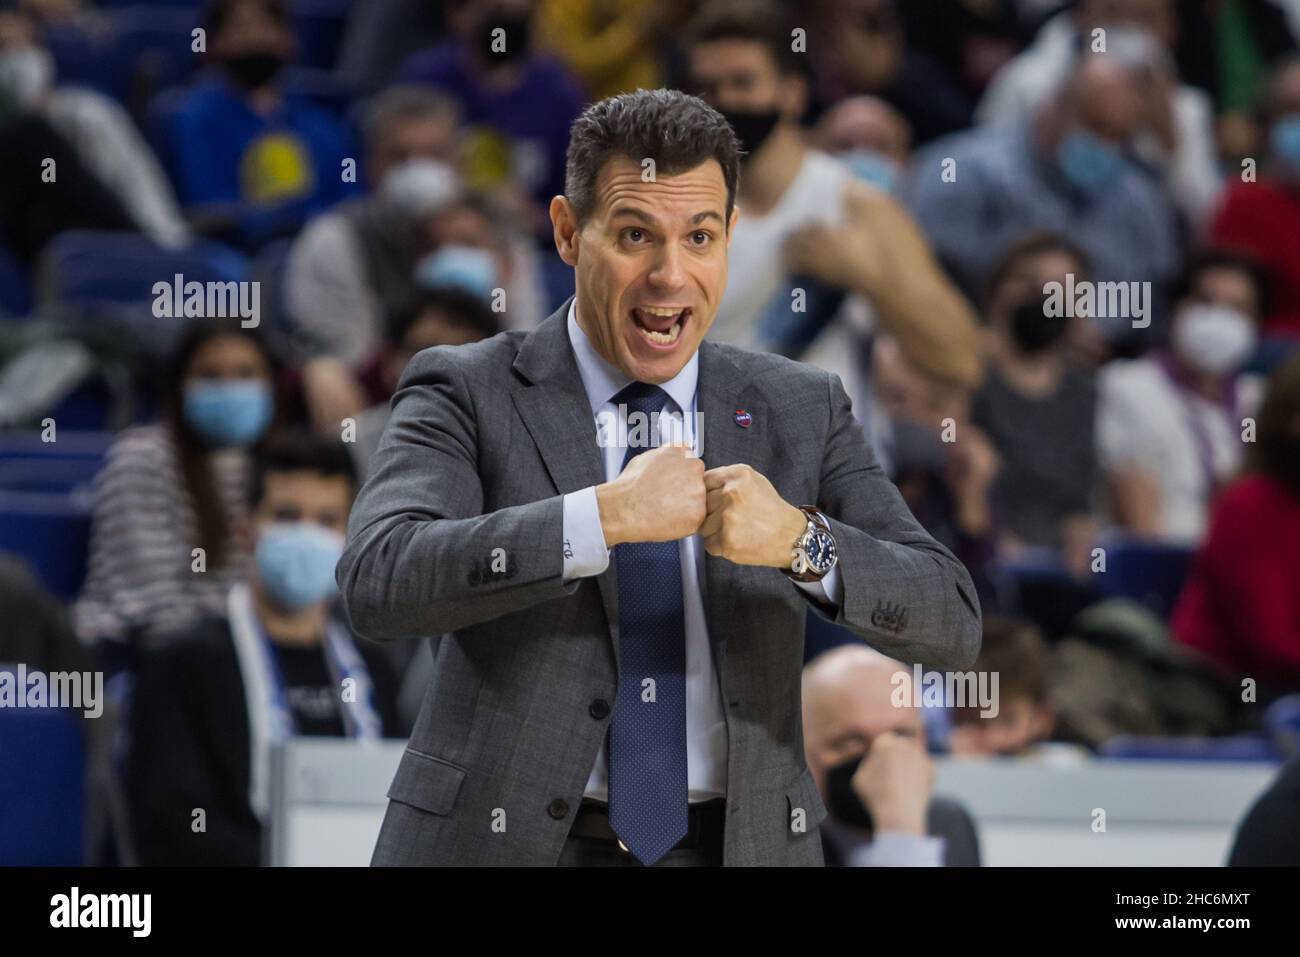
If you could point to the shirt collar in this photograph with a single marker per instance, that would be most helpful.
(603, 381)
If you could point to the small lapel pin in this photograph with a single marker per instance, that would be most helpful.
(744, 419)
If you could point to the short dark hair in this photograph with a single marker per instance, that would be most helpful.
(1215, 258)
(1031, 246)
(676, 130)
(760, 21)
(297, 450)
(462, 308)
(1015, 650)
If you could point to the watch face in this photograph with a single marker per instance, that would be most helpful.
(821, 551)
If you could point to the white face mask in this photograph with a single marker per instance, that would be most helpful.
(1217, 340)
(25, 74)
(421, 186)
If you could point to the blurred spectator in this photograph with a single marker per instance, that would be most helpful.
(973, 37)
(35, 208)
(518, 103)
(1169, 423)
(944, 466)
(869, 759)
(466, 246)
(808, 232)
(1037, 407)
(1227, 47)
(862, 49)
(165, 546)
(1269, 835)
(1175, 138)
(37, 631)
(252, 162)
(380, 34)
(354, 263)
(612, 45)
(1065, 171)
(431, 317)
(1263, 217)
(1015, 652)
(100, 131)
(868, 135)
(270, 663)
(1241, 605)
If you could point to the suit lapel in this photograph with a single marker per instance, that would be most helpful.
(554, 407)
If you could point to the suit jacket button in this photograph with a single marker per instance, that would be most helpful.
(599, 709)
(558, 808)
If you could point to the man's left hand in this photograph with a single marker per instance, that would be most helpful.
(746, 521)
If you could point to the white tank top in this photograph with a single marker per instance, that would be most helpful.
(756, 272)
(756, 267)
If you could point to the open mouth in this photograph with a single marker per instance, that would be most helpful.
(661, 326)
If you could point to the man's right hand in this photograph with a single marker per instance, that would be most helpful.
(659, 497)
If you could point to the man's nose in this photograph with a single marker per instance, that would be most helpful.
(668, 271)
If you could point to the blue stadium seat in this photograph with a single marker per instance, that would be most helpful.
(82, 266)
(50, 530)
(85, 60)
(59, 475)
(42, 755)
(1149, 572)
(156, 43)
(15, 290)
(68, 445)
(319, 28)
(1240, 747)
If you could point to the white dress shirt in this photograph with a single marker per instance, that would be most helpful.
(585, 554)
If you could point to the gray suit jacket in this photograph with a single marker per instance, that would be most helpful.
(484, 441)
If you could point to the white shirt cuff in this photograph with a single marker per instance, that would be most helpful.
(585, 553)
(897, 849)
(828, 589)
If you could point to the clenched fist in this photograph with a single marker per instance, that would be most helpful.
(659, 497)
(748, 522)
(894, 781)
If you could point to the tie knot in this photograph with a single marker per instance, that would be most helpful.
(642, 397)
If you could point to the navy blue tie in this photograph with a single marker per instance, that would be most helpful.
(647, 735)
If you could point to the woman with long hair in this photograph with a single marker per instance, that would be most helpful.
(165, 546)
(1241, 606)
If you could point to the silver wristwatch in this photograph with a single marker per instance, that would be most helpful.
(814, 553)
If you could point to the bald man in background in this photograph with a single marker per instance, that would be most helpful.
(848, 715)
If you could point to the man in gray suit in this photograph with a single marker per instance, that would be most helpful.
(617, 528)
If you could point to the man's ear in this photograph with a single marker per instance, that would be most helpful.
(731, 226)
(564, 226)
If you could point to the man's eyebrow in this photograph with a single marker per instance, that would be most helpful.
(650, 220)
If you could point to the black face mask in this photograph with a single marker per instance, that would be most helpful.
(515, 33)
(252, 70)
(752, 128)
(1033, 330)
(841, 800)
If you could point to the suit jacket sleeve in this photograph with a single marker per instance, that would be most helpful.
(421, 559)
(904, 593)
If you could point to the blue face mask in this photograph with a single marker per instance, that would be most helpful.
(229, 413)
(296, 561)
(1088, 162)
(467, 268)
(1285, 141)
(871, 167)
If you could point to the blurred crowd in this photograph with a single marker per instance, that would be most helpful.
(941, 201)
